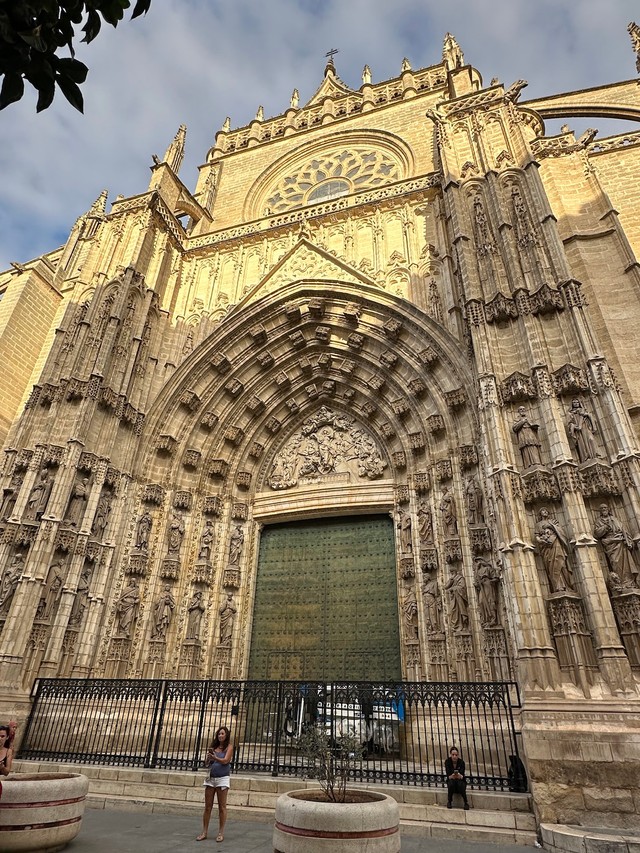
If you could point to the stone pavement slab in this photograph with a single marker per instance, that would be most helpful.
(106, 831)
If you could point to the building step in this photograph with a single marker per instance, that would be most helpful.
(494, 816)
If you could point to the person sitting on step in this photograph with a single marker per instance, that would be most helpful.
(456, 781)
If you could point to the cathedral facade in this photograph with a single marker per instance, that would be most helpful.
(365, 404)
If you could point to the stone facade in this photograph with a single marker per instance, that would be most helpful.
(404, 299)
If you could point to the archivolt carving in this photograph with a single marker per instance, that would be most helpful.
(327, 443)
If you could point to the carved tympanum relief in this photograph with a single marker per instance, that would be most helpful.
(327, 443)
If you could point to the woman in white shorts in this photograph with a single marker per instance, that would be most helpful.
(218, 758)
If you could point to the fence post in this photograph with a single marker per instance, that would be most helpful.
(276, 742)
(153, 743)
(203, 707)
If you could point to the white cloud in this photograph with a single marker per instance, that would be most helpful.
(197, 61)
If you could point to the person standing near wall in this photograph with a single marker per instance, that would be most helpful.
(219, 781)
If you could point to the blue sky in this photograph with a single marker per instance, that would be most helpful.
(197, 61)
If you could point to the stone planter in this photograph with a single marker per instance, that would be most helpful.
(305, 823)
(41, 811)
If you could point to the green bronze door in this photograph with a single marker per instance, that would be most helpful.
(326, 603)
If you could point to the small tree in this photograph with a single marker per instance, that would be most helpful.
(332, 760)
(32, 32)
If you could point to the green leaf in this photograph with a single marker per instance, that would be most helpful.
(73, 69)
(46, 91)
(92, 26)
(71, 91)
(141, 8)
(12, 89)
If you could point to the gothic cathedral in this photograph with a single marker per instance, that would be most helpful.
(365, 404)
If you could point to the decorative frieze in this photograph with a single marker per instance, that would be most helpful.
(540, 485)
(500, 309)
(153, 494)
(212, 505)
(218, 468)
(243, 479)
(435, 424)
(570, 380)
(598, 480)
(88, 462)
(443, 470)
(518, 387)
(401, 495)
(417, 387)
(166, 444)
(191, 458)
(546, 300)
(265, 360)
(468, 456)
(233, 434)
(220, 363)
(183, 500)
(428, 356)
(190, 400)
(209, 420)
(239, 511)
(455, 399)
(422, 482)
(65, 538)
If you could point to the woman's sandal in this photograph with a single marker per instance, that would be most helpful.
(220, 837)
(201, 837)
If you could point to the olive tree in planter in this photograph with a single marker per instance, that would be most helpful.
(351, 820)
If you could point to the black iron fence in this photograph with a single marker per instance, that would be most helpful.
(404, 729)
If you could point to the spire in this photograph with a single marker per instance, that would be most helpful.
(452, 55)
(634, 31)
(175, 152)
(330, 68)
(99, 206)
(295, 99)
(366, 75)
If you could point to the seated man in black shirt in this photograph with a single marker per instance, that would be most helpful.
(456, 782)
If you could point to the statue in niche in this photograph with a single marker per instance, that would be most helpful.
(52, 591)
(404, 529)
(458, 600)
(449, 513)
(143, 531)
(176, 534)
(9, 582)
(11, 495)
(162, 614)
(126, 611)
(410, 613)
(431, 600)
(528, 442)
(487, 584)
(553, 547)
(206, 541)
(580, 429)
(39, 495)
(425, 524)
(236, 545)
(475, 501)
(328, 442)
(227, 618)
(619, 548)
(103, 510)
(435, 303)
(77, 502)
(82, 597)
(195, 611)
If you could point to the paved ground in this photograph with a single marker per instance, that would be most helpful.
(129, 832)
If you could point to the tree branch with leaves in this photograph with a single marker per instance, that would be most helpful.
(32, 34)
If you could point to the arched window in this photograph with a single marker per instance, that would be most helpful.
(328, 190)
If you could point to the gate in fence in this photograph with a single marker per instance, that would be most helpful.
(403, 730)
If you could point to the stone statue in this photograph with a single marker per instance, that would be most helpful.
(143, 531)
(77, 503)
(236, 545)
(195, 610)
(103, 510)
(431, 601)
(425, 524)
(176, 534)
(553, 547)
(449, 513)
(618, 546)
(162, 613)
(580, 430)
(410, 612)
(206, 541)
(458, 601)
(126, 611)
(10, 495)
(404, 529)
(52, 591)
(487, 586)
(227, 618)
(634, 31)
(10, 578)
(475, 501)
(528, 441)
(82, 596)
(39, 495)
